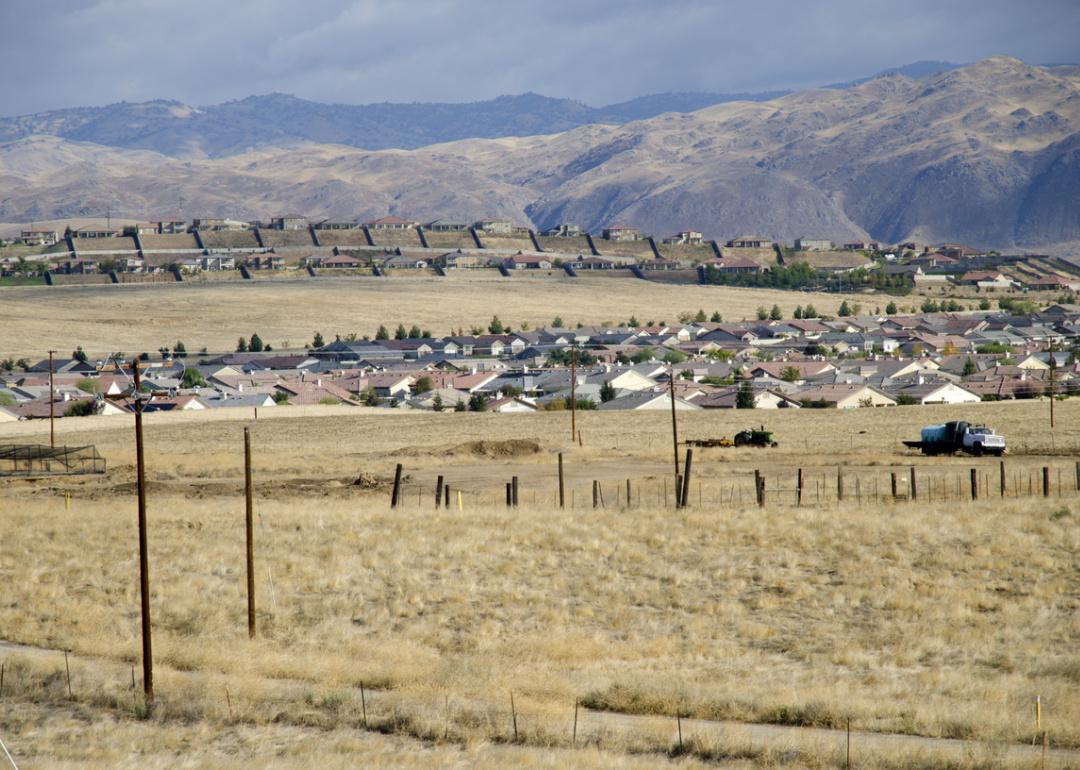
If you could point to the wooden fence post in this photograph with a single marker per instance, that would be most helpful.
(685, 502)
(509, 497)
(1001, 480)
(446, 496)
(974, 484)
(438, 491)
(914, 489)
(628, 498)
(250, 533)
(396, 493)
(798, 488)
(514, 491)
(839, 485)
(595, 494)
(562, 489)
(893, 485)
(1046, 480)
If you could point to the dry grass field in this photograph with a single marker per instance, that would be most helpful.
(941, 619)
(286, 313)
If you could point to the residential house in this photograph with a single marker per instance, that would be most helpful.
(845, 396)
(985, 279)
(621, 233)
(390, 223)
(495, 226)
(648, 400)
(289, 222)
(862, 246)
(95, 232)
(750, 242)
(446, 226)
(937, 393)
(39, 237)
(562, 231)
(527, 262)
(813, 244)
(689, 237)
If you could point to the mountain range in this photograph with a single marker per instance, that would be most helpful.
(987, 154)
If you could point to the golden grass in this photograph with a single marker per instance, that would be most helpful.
(930, 619)
(286, 313)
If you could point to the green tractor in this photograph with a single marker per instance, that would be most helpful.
(758, 437)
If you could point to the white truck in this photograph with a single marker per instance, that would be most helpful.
(958, 436)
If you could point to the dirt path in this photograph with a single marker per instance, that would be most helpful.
(601, 723)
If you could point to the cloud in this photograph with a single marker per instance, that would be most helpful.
(87, 52)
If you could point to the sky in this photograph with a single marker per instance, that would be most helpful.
(67, 53)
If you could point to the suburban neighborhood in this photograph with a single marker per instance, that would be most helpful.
(844, 362)
(176, 249)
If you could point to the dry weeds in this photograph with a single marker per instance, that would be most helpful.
(931, 619)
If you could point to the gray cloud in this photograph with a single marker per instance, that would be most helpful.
(89, 52)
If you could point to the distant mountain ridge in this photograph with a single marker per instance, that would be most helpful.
(275, 120)
(987, 154)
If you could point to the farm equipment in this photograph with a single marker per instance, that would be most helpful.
(958, 436)
(758, 437)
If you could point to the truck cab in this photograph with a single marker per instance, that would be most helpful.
(978, 439)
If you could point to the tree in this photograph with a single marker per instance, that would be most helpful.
(890, 309)
(144, 356)
(969, 367)
(89, 385)
(382, 333)
(607, 392)
(318, 341)
(984, 304)
(775, 313)
(179, 348)
(459, 406)
(477, 402)
(191, 378)
(674, 357)
(79, 354)
(744, 399)
(496, 326)
(557, 322)
(80, 409)
(642, 355)
(700, 317)
(241, 345)
(256, 344)
(423, 385)
(415, 332)
(281, 398)
(400, 333)
(798, 312)
(633, 322)
(437, 403)
(716, 317)
(845, 309)
(789, 374)
(762, 313)
(810, 312)
(929, 306)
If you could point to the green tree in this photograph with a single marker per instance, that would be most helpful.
(700, 317)
(89, 385)
(716, 318)
(423, 385)
(775, 313)
(810, 312)
(969, 367)
(607, 392)
(400, 333)
(642, 355)
(382, 333)
(744, 399)
(255, 345)
(798, 312)
(890, 309)
(789, 374)
(281, 398)
(437, 403)
(82, 408)
(557, 322)
(191, 378)
(674, 357)
(477, 402)
(79, 354)
(415, 332)
(459, 406)
(241, 345)
(496, 326)
(984, 304)
(845, 309)
(179, 348)
(762, 313)
(318, 341)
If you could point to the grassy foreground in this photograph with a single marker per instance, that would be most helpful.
(933, 619)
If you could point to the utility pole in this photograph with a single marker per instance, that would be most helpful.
(573, 394)
(248, 494)
(674, 432)
(144, 567)
(1053, 366)
(52, 398)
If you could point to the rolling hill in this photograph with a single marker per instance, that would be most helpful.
(987, 154)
